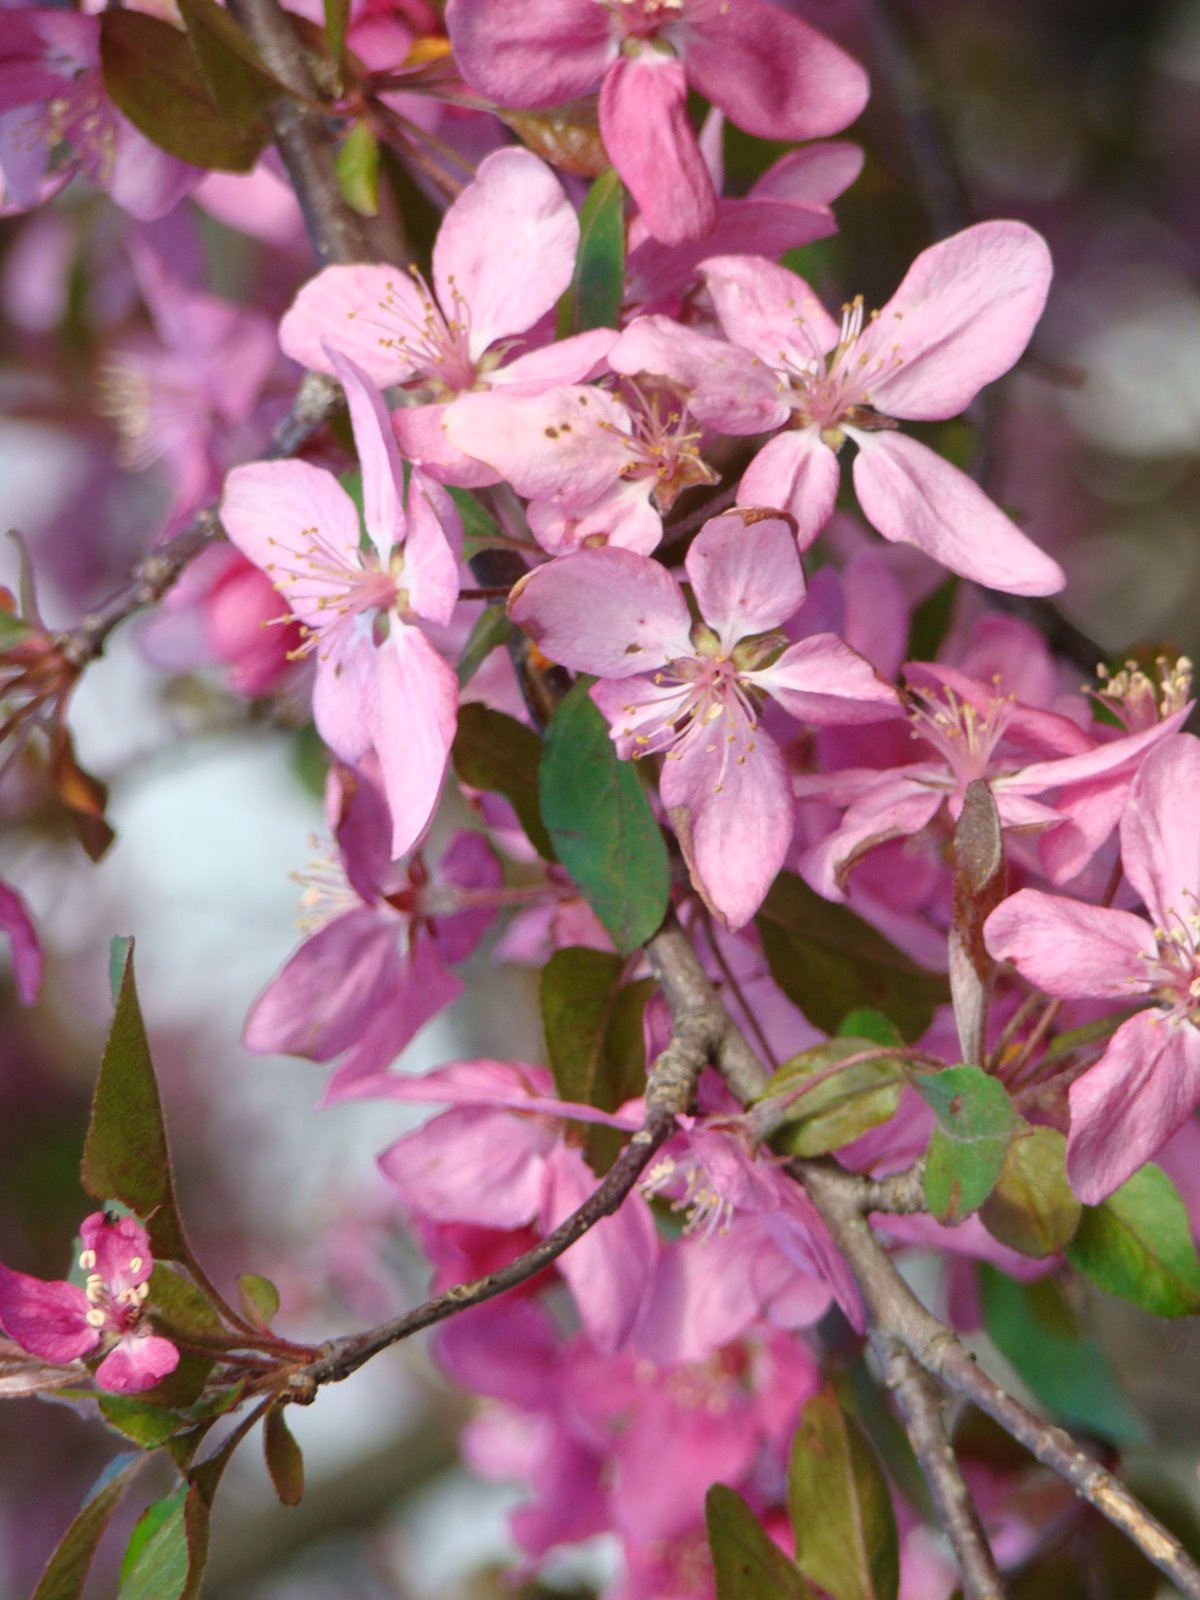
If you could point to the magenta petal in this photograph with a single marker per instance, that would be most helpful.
(366, 312)
(1160, 844)
(472, 1164)
(46, 1319)
(822, 680)
(767, 227)
(414, 719)
(530, 55)
(813, 176)
(644, 120)
(746, 577)
(703, 1294)
(608, 612)
(799, 473)
(139, 1362)
(572, 360)
(17, 923)
(122, 1250)
(424, 987)
(1068, 948)
(1126, 1107)
(506, 248)
(961, 317)
(913, 496)
(421, 434)
(897, 808)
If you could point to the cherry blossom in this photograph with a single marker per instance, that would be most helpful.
(1147, 1082)
(770, 73)
(693, 692)
(961, 317)
(381, 686)
(61, 1322)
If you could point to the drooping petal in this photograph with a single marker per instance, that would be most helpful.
(524, 55)
(506, 248)
(1160, 845)
(47, 1319)
(962, 315)
(797, 472)
(814, 175)
(732, 809)
(432, 551)
(139, 1362)
(912, 496)
(647, 133)
(769, 310)
(425, 987)
(373, 314)
(769, 72)
(17, 924)
(608, 612)
(413, 721)
(472, 1164)
(1069, 949)
(375, 443)
(725, 387)
(468, 862)
(822, 680)
(567, 445)
(745, 574)
(298, 524)
(1126, 1107)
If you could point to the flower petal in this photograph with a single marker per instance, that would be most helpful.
(647, 133)
(567, 445)
(47, 1319)
(797, 472)
(16, 922)
(725, 387)
(1069, 949)
(367, 312)
(745, 574)
(296, 523)
(139, 1362)
(769, 310)
(413, 723)
(524, 55)
(1160, 845)
(822, 680)
(375, 444)
(432, 551)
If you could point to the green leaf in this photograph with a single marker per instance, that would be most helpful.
(975, 1126)
(863, 1023)
(828, 961)
(67, 1570)
(577, 992)
(152, 76)
(597, 288)
(493, 627)
(480, 531)
(1138, 1244)
(180, 1307)
(1035, 1331)
(284, 1461)
(238, 81)
(358, 170)
(1033, 1208)
(495, 752)
(337, 14)
(146, 1424)
(169, 1563)
(118, 955)
(841, 1510)
(840, 1107)
(259, 1297)
(146, 1526)
(602, 825)
(747, 1563)
(931, 621)
(125, 1155)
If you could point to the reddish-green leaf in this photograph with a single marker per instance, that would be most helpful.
(152, 76)
(283, 1458)
(238, 82)
(67, 1570)
(842, 1103)
(1033, 1208)
(841, 1511)
(747, 1563)
(495, 752)
(976, 1123)
(146, 1424)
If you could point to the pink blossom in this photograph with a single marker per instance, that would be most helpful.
(694, 692)
(61, 1322)
(387, 692)
(17, 924)
(1147, 1082)
(504, 254)
(771, 74)
(52, 94)
(961, 317)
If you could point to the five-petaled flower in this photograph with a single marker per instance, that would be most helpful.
(61, 1322)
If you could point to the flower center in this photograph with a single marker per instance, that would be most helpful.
(1173, 974)
(661, 445)
(828, 390)
(436, 346)
(1136, 700)
(965, 737)
(642, 19)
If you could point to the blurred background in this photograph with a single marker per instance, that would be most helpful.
(1081, 117)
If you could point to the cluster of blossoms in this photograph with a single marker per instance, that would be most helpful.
(661, 480)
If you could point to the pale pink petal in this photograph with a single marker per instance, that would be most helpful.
(796, 472)
(608, 612)
(638, 708)
(897, 810)
(506, 248)
(913, 496)
(1126, 1107)
(432, 551)
(472, 1164)
(421, 434)
(657, 272)
(1123, 755)
(647, 133)
(1068, 948)
(526, 55)
(46, 1319)
(610, 1269)
(769, 310)
(746, 576)
(822, 680)
(270, 511)
(623, 515)
(139, 1362)
(731, 782)
(567, 445)
(769, 72)
(17, 924)
(413, 721)
(1160, 844)
(725, 387)
(345, 688)
(573, 360)
(962, 315)
(375, 443)
(814, 175)
(366, 312)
